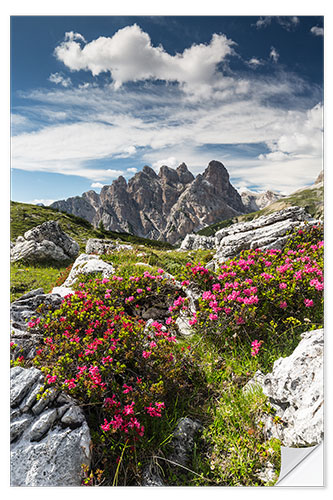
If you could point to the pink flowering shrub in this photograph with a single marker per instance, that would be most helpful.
(125, 376)
(260, 288)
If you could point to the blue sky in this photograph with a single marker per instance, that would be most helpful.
(93, 98)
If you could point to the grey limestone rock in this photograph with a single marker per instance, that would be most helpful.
(88, 264)
(264, 232)
(295, 389)
(21, 311)
(183, 441)
(101, 247)
(44, 242)
(47, 448)
(197, 242)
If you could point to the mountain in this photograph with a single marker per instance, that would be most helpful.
(256, 201)
(311, 198)
(164, 206)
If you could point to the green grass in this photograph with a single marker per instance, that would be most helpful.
(24, 278)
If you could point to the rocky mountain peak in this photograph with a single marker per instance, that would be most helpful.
(185, 176)
(149, 171)
(168, 174)
(166, 206)
(121, 182)
(216, 173)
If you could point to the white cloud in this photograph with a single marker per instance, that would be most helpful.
(263, 22)
(57, 78)
(287, 22)
(275, 156)
(254, 62)
(17, 119)
(129, 56)
(316, 30)
(71, 35)
(96, 185)
(132, 170)
(274, 55)
(171, 162)
(45, 202)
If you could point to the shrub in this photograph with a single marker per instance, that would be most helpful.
(262, 291)
(126, 376)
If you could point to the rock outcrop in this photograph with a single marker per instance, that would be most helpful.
(43, 243)
(21, 311)
(267, 231)
(296, 390)
(164, 206)
(87, 264)
(102, 247)
(50, 438)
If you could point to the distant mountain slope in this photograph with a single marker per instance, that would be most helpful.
(256, 201)
(310, 198)
(164, 206)
(24, 216)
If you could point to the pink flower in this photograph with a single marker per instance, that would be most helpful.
(283, 286)
(213, 317)
(283, 304)
(152, 344)
(160, 271)
(168, 321)
(71, 383)
(146, 354)
(51, 379)
(105, 280)
(128, 409)
(185, 282)
(255, 346)
(127, 388)
(240, 321)
(139, 290)
(308, 302)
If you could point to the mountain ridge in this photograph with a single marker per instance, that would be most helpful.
(163, 206)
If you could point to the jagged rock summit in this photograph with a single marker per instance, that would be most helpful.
(163, 206)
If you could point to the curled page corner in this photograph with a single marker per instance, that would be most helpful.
(292, 475)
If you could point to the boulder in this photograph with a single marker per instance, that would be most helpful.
(21, 311)
(267, 231)
(43, 243)
(88, 264)
(182, 443)
(101, 247)
(50, 439)
(296, 390)
(197, 242)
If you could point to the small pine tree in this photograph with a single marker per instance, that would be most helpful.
(101, 227)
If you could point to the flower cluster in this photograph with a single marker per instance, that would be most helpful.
(259, 286)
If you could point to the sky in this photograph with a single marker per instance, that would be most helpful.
(96, 97)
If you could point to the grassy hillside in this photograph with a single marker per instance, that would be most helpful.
(168, 376)
(24, 217)
(48, 274)
(311, 199)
